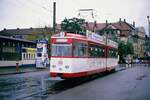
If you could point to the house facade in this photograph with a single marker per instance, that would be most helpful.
(122, 31)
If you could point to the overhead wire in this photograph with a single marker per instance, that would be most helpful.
(43, 7)
(35, 11)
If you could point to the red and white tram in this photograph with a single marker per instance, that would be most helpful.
(75, 55)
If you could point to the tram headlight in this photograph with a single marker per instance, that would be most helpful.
(67, 66)
(53, 66)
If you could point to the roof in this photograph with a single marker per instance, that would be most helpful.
(119, 25)
(9, 38)
(25, 31)
(97, 26)
(123, 26)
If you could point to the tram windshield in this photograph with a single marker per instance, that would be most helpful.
(61, 50)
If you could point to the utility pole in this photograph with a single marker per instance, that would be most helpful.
(148, 26)
(54, 17)
(148, 38)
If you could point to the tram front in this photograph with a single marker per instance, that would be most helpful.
(61, 54)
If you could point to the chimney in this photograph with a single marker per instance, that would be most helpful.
(119, 19)
(106, 22)
(124, 20)
(133, 23)
(4, 29)
(95, 24)
(45, 27)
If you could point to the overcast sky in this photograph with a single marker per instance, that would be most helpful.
(38, 13)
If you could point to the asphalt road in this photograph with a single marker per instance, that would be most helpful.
(130, 84)
(21, 86)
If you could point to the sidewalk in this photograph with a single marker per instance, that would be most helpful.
(13, 70)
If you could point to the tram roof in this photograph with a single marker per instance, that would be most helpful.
(92, 37)
(14, 39)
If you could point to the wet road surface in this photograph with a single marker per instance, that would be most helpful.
(122, 85)
(21, 86)
(130, 84)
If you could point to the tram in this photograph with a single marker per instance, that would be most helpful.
(74, 55)
(42, 60)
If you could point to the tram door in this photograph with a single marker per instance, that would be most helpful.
(42, 60)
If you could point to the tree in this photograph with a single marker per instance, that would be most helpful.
(130, 49)
(73, 25)
(32, 36)
(121, 51)
(125, 49)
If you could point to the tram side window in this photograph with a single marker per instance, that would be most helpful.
(96, 51)
(80, 49)
(113, 53)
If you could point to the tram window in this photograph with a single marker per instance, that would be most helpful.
(61, 50)
(113, 53)
(80, 49)
(96, 51)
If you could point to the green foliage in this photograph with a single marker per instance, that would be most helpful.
(32, 36)
(73, 25)
(121, 49)
(39, 36)
(125, 49)
(130, 49)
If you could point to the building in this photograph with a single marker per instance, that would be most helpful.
(122, 31)
(27, 33)
(147, 47)
(139, 42)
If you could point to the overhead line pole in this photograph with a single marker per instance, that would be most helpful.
(54, 17)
